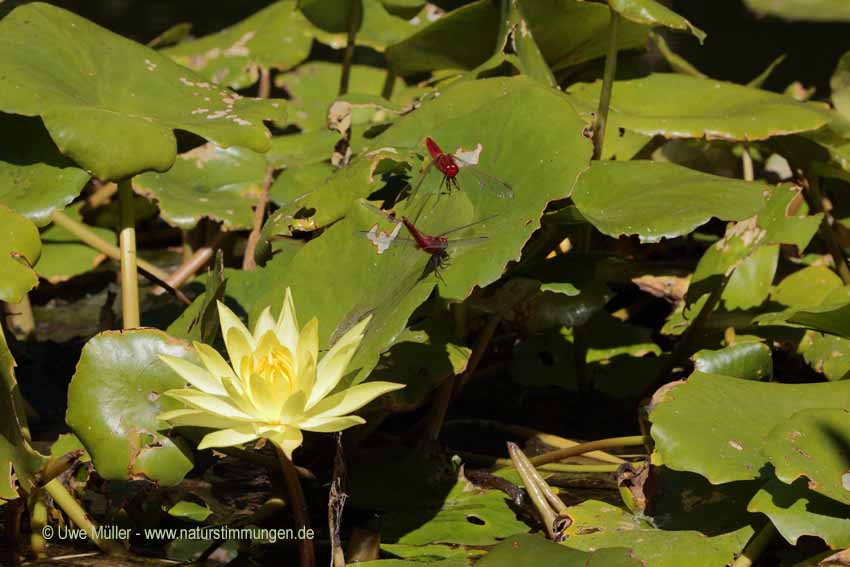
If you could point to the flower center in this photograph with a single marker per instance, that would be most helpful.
(276, 367)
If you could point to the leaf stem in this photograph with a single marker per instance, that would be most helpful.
(307, 554)
(90, 238)
(814, 197)
(501, 463)
(196, 262)
(249, 262)
(127, 241)
(38, 520)
(756, 546)
(389, 84)
(607, 86)
(20, 320)
(552, 510)
(265, 88)
(78, 515)
(354, 18)
(582, 448)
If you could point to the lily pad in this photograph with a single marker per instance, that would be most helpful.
(696, 429)
(814, 444)
(20, 247)
(652, 13)
(527, 550)
(746, 360)
(829, 355)
(597, 525)
(680, 106)
(298, 150)
(114, 398)
(831, 317)
(209, 181)
(276, 37)
(749, 285)
(809, 10)
(126, 126)
(808, 287)
(190, 511)
(63, 255)
(660, 200)
(797, 511)
(378, 28)
(35, 178)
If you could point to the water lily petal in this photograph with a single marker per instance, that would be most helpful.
(287, 324)
(293, 408)
(197, 418)
(214, 362)
(288, 440)
(198, 377)
(307, 355)
(267, 396)
(332, 367)
(306, 377)
(331, 424)
(236, 395)
(229, 437)
(265, 322)
(351, 399)
(241, 351)
(229, 321)
(209, 403)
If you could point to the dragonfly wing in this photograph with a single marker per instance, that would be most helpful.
(464, 243)
(414, 188)
(486, 181)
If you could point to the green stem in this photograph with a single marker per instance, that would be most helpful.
(38, 520)
(127, 241)
(815, 200)
(487, 460)
(389, 84)
(90, 238)
(551, 509)
(354, 18)
(582, 448)
(78, 516)
(683, 346)
(607, 86)
(756, 546)
(20, 320)
(307, 554)
(249, 261)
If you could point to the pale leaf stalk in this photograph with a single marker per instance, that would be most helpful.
(298, 505)
(607, 86)
(79, 517)
(127, 241)
(551, 509)
(20, 320)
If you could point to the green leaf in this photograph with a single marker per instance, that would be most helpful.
(63, 255)
(832, 317)
(67, 443)
(808, 287)
(840, 85)
(53, 59)
(597, 525)
(797, 511)
(276, 37)
(18, 460)
(527, 550)
(696, 427)
(813, 444)
(298, 150)
(808, 10)
(651, 13)
(436, 47)
(209, 181)
(289, 188)
(378, 27)
(660, 200)
(207, 321)
(20, 248)
(747, 360)
(190, 511)
(749, 284)
(828, 355)
(571, 32)
(315, 85)
(680, 106)
(114, 398)
(35, 179)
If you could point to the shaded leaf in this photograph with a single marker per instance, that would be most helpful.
(749, 284)
(527, 550)
(190, 511)
(652, 13)
(128, 127)
(810, 10)
(63, 255)
(746, 360)
(114, 398)
(35, 178)
(20, 247)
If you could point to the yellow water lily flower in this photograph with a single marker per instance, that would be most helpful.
(275, 386)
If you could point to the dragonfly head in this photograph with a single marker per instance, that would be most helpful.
(451, 169)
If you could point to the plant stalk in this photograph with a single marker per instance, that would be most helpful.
(38, 520)
(265, 88)
(196, 262)
(354, 18)
(607, 86)
(81, 519)
(501, 463)
(756, 546)
(90, 238)
(307, 554)
(127, 241)
(389, 85)
(249, 262)
(20, 320)
(582, 448)
(815, 200)
(552, 510)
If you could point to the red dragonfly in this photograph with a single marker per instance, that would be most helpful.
(438, 246)
(450, 165)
